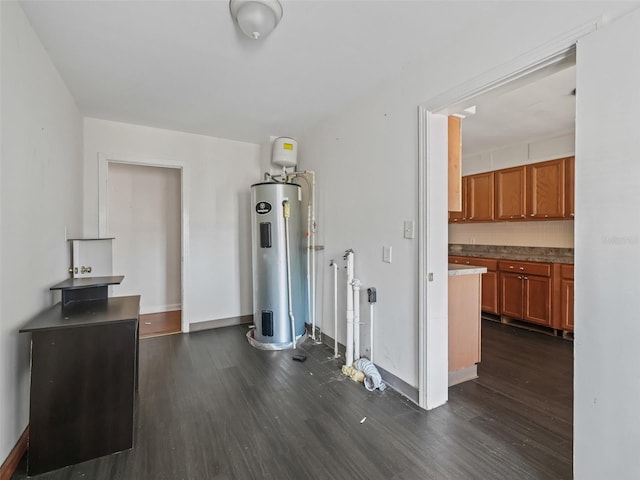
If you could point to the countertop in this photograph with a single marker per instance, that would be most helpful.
(455, 269)
(505, 252)
(85, 314)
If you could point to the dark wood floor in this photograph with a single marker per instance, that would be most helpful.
(212, 407)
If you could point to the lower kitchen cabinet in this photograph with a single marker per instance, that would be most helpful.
(526, 290)
(566, 297)
(489, 300)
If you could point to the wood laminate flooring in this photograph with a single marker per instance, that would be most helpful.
(212, 407)
(162, 323)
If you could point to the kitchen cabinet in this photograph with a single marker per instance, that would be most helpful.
(570, 183)
(510, 193)
(566, 297)
(455, 163)
(480, 197)
(489, 299)
(546, 189)
(526, 291)
(461, 216)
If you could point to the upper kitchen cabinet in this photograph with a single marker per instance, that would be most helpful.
(510, 193)
(570, 182)
(546, 189)
(461, 215)
(480, 197)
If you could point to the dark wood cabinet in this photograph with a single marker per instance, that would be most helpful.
(480, 194)
(510, 193)
(546, 189)
(84, 367)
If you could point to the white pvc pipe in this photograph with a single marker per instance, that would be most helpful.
(335, 308)
(309, 274)
(349, 344)
(286, 212)
(371, 331)
(356, 318)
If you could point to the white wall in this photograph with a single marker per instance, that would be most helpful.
(533, 234)
(144, 217)
(41, 198)
(607, 384)
(366, 159)
(219, 173)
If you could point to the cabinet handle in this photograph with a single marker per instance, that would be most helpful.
(523, 215)
(521, 268)
(526, 278)
(511, 267)
(519, 277)
(532, 214)
(573, 214)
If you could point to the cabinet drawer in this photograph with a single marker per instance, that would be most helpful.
(566, 271)
(543, 269)
(489, 263)
(458, 260)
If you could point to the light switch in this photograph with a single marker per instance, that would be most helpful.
(386, 254)
(409, 229)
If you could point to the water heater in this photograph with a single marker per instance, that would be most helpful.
(270, 270)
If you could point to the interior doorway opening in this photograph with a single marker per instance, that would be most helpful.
(142, 204)
(433, 196)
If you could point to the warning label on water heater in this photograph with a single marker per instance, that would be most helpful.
(263, 207)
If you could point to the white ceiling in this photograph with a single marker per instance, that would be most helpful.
(544, 108)
(183, 65)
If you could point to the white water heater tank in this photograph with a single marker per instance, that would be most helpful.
(284, 152)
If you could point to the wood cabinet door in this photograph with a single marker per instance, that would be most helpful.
(570, 183)
(566, 297)
(546, 189)
(490, 292)
(510, 193)
(461, 216)
(480, 197)
(511, 295)
(537, 300)
(566, 302)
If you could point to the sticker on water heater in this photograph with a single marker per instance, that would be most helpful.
(263, 207)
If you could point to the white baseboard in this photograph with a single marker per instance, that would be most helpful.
(160, 308)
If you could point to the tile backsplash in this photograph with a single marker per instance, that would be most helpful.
(557, 233)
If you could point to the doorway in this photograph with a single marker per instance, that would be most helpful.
(433, 228)
(142, 204)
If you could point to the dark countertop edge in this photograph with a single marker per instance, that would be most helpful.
(87, 282)
(43, 320)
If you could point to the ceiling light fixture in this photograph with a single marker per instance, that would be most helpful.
(256, 18)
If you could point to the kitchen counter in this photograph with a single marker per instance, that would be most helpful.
(465, 292)
(506, 252)
(455, 270)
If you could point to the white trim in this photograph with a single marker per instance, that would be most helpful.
(103, 176)
(423, 234)
(553, 52)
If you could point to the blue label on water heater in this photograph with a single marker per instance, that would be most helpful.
(263, 207)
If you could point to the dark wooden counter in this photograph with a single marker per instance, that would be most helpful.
(84, 358)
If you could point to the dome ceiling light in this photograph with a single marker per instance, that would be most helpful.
(256, 18)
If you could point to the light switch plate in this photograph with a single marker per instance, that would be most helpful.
(386, 254)
(409, 229)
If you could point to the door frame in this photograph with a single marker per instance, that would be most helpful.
(432, 245)
(103, 180)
